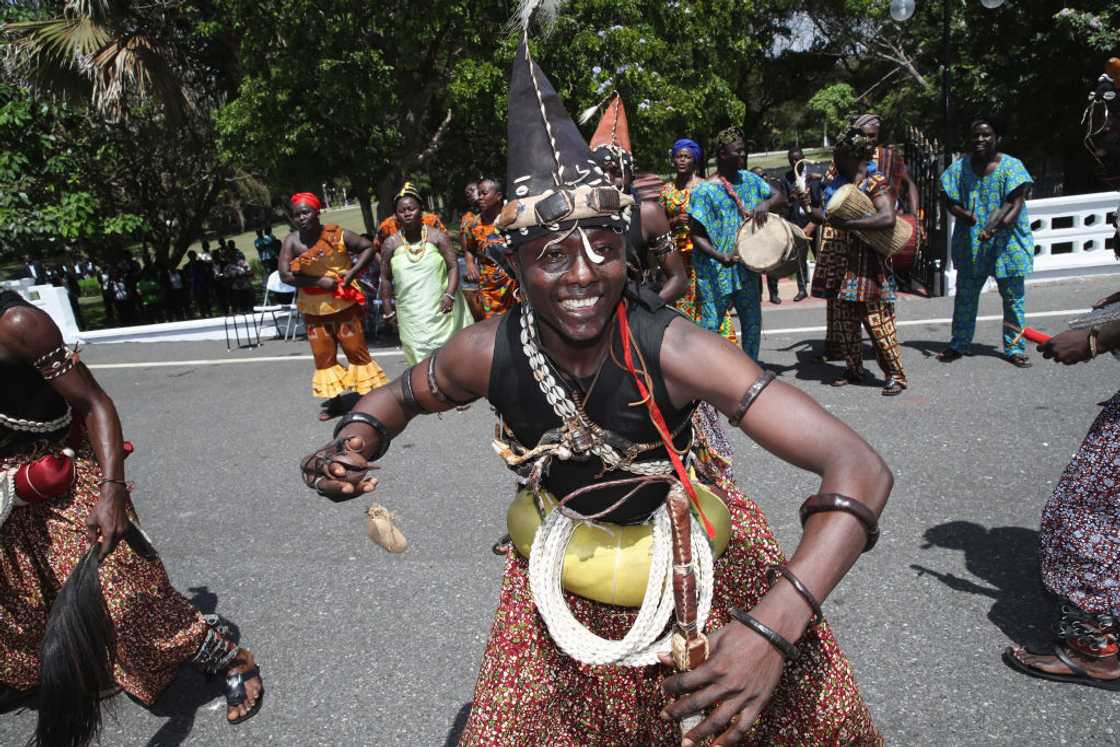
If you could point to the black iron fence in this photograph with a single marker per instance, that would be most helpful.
(925, 160)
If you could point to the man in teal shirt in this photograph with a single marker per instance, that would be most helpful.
(717, 208)
(987, 192)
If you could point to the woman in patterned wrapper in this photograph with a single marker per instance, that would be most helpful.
(565, 370)
(852, 276)
(66, 520)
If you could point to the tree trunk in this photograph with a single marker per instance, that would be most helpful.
(386, 190)
(193, 229)
(361, 194)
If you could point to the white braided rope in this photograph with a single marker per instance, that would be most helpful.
(641, 645)
(36, 426)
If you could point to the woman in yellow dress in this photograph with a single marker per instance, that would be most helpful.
(420, 282)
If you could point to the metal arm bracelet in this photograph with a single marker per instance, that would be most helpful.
(749, 397)
(815, 504)
(361, 417)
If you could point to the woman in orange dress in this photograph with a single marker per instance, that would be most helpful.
(316, 259)
(496, 287)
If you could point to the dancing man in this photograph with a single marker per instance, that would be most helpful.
(420, 281)
(64, 511)
(987, 194)
(594, 380)
(316, 259)
(717, 208)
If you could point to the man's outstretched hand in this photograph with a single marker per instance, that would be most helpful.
(338, 470)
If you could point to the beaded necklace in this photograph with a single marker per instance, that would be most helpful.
(415, 255)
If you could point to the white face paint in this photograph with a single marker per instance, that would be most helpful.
(592, 255)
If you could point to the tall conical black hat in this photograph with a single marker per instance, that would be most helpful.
(551, 178)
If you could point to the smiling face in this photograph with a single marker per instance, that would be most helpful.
(407, 211)
(984, 140)
(683, 162)
(572, 295)
(305, 215)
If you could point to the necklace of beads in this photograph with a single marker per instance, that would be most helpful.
(413, 253)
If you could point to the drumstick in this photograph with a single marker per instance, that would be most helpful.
(1031, 334)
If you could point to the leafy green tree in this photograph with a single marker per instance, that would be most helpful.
(1031, 63)
(142, 81)
(45, 203)
(379, 92)
(834, 104)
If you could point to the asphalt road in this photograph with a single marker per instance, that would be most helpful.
(362, 648)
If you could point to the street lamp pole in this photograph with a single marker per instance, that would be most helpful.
(903, 10)
(946, 80)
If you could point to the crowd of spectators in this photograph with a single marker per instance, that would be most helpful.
(212, 282)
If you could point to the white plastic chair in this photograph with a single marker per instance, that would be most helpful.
(276, 285)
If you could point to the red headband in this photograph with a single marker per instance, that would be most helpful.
(307, 197)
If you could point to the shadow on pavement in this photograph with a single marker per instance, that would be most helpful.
(1007, 559)
(930, 348)
(458, 726)
(190, 690)
(811, 367)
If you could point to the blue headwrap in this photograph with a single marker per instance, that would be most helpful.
(690, 145)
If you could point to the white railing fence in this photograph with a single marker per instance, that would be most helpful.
(1073, 237)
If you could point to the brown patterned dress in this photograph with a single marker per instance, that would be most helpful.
(156, 628)
(860, 288)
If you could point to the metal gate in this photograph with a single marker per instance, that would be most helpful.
(925, 160)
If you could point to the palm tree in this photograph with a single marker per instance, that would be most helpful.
(107, 52)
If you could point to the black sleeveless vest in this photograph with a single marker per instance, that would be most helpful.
(25, 394)
(517, 397)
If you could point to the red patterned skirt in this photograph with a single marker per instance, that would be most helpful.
(1080, 537)
(156, 628)
(529, 692)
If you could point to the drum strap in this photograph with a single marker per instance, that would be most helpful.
(746, 214)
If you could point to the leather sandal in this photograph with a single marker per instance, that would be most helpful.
(851, 377)
(1078, 674)
(892, 388)
(1019, 360)
(948, 355)
(236, 695)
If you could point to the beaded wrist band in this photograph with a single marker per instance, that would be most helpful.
(782, 570)
(815, 504)
(771, 635)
